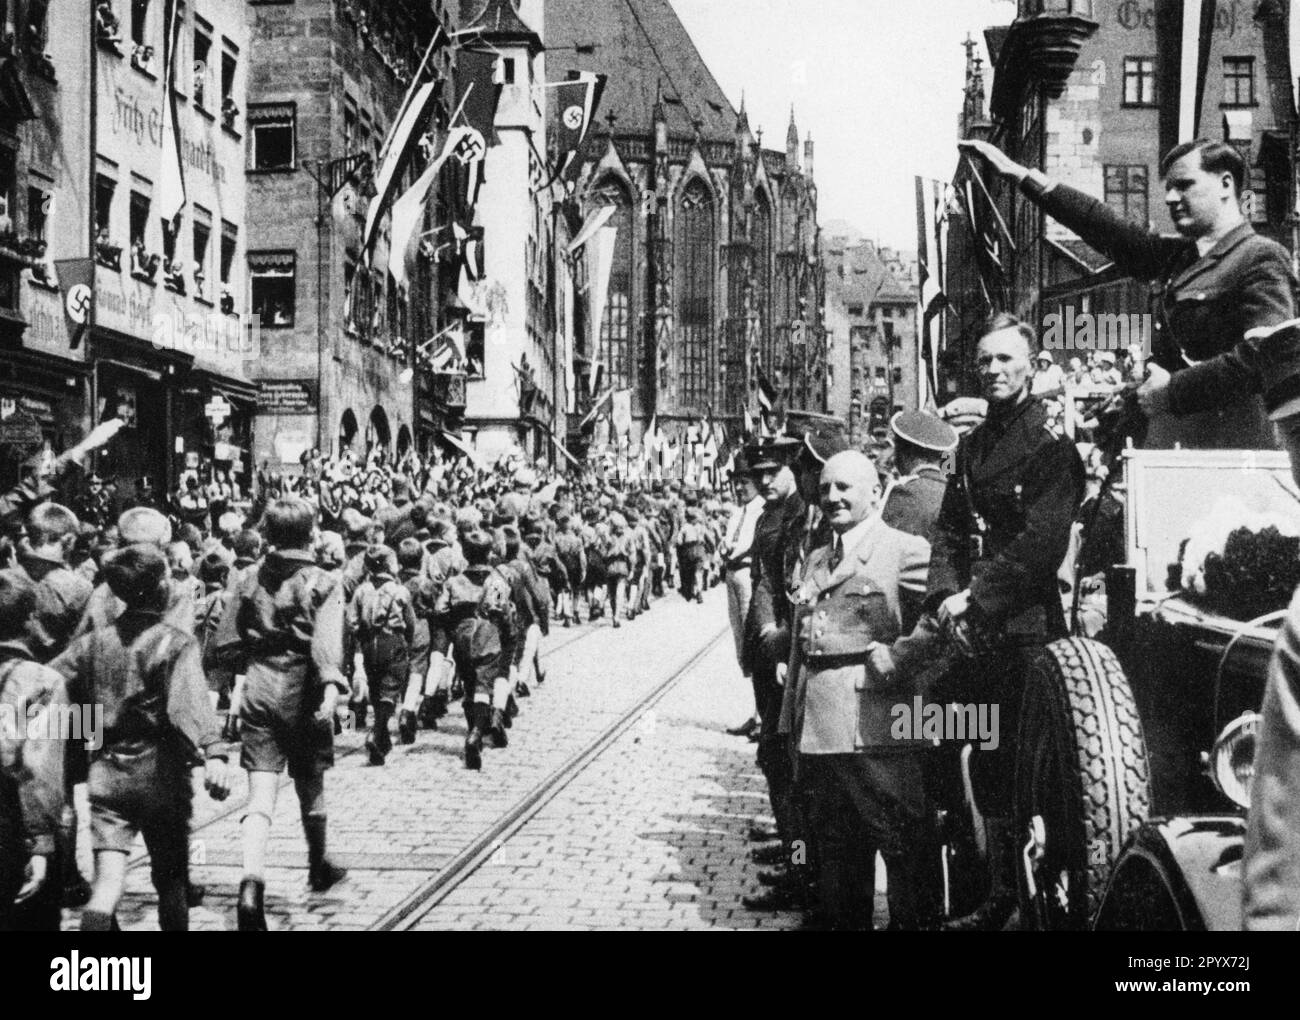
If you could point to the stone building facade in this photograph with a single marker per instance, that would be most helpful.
(1079, 88)
(717, 269)
(327, 80)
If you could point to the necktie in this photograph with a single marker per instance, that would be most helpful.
(837, 552)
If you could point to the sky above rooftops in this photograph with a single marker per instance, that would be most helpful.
(877, 82)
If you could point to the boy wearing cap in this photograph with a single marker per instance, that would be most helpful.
(381, 622)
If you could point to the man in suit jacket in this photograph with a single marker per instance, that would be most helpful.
(866, 787)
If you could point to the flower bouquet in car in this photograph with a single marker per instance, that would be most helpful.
(1241, 564)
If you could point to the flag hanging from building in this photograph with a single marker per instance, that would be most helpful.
(596, 219)
(932, 200)
(478, 92)
(576, 100)
(1184, 32)
(171, 176)
(404, 137)
(77, 282)
(771, 409)
(987, 247)
(477, 97)
(408, 217)
(599, 267)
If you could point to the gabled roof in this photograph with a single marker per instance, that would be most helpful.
(646, 51)
(499, 18)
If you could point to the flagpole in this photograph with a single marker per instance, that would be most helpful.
(410, 94)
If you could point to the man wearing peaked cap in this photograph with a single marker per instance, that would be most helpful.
(920, 442)
(778, 537)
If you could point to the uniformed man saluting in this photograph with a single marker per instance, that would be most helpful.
(1218, 289)
(1003, 530)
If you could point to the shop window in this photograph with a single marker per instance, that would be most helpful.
(202, 63)
(272, 276)
(272, 143)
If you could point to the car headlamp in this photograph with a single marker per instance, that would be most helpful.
(1232, 762)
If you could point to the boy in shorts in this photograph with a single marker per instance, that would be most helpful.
(381, 621)
(283, 629)
(159, 725)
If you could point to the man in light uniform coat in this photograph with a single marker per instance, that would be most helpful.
(866, 787)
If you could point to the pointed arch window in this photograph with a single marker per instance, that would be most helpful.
(695, 260)
(762, 241)
(616, 343)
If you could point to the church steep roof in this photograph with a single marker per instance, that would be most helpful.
(646, 51)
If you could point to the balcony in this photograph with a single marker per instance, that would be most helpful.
(1042, 45)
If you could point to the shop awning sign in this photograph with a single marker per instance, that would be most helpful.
(286, 396)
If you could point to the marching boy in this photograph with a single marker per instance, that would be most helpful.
(158, 726)
(381, 621)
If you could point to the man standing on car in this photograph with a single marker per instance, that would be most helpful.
(1219, 286)
(1003, 530)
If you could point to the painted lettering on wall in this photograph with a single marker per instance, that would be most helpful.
(1229, 15)
(145, 127)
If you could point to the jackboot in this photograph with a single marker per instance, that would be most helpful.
(994, 913)
(322, 873)
(406, 726)
(250, 911)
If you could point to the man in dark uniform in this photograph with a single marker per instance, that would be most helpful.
(777, 540)
(920, 442)
(1003, 530)
(1219, 289)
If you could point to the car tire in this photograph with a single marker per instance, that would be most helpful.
(1081, 783)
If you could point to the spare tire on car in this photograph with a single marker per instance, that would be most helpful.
(1081, 783)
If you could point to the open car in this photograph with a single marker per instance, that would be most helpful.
(1136, 746)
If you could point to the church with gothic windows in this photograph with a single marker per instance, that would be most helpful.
(715, 279)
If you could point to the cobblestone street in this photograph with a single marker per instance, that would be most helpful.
(650, 835)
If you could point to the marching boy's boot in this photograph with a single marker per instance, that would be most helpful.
(322, 873)
(475, 716)
(250, 912)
